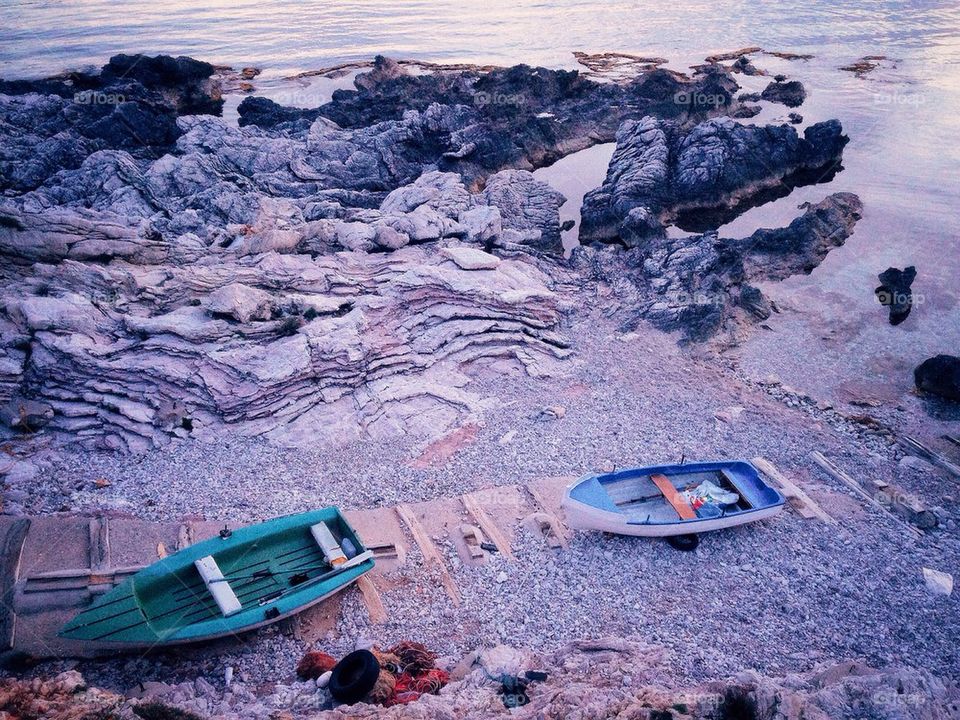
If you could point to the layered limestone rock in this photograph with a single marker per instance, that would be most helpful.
(341, 345)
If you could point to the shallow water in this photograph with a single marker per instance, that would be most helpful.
(903, 159)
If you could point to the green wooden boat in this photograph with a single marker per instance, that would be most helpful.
(225, 585)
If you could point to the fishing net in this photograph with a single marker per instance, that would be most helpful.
(415, 658)
(383, 689)
(388, 661)
(314, 664)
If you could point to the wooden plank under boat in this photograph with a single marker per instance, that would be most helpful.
(225, 585)
(650, 501)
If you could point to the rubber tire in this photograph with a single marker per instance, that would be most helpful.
(354, 676)
(686, 543)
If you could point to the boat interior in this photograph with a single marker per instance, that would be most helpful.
(656, 497)
(255, 573)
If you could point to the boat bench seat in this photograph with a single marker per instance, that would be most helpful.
(673, 497)
(328, 544)
(218, 586)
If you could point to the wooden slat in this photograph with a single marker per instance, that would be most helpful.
(99, 546)
(917, 447)
(372, 600)
(490, 528)
(838, 474)
(673, 497)
(184, 536)
(805, 506)
(431, 555)
(11, 550)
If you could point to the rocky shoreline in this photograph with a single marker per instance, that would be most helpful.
(337, 268)
(235, 322)
(607, 677)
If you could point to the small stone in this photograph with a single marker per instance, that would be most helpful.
(471, 258)
(553, 412)
(938, 583)
(729, 414)
(501, 577)
(913, 463)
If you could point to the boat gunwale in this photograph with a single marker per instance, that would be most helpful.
(621, 518)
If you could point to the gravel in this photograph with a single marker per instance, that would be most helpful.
(777, 596)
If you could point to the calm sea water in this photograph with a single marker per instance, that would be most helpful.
(903, 120)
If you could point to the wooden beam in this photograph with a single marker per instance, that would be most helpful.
(490, 528)
(372, 600)
(918, 448)
(802, 503)
(952, 438)
(184, 536)
(99, 546)
(431, 555)
(553, 509)
(11, 552)
(838, 474)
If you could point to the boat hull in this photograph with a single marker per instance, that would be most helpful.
(588, 504)
(276, 569)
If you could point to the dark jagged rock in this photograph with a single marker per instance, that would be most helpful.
(265, 113)
(132, 105)
(804, 243)
(183, 80)
(895, 292)
(743, 65)
(665, 169)
(519, 117)
(746, 112)
(792, 93)
(697, 284)
(939, 375)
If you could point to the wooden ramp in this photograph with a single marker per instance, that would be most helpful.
(54, 566)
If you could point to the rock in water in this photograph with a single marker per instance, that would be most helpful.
(289, 277)
(697, 284)
(792, 93)
(660, 169)
(939, 375)
(894, 292)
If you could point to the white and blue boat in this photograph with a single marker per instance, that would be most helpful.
(671, 500)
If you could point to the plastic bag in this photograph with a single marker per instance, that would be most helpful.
(708, 492)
